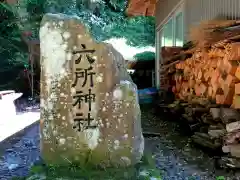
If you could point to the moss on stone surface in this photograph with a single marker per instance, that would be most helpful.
(143, 171)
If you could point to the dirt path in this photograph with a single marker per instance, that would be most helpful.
(173, 152)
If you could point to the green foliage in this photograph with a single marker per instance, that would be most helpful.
(147, 55)
(105, 19)
(12, 50)
(139, 31)
(35, 8)
(220, 178)
(105, 22)
(10, 36)
(142, 171)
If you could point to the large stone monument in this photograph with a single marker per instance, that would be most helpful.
(89, 104)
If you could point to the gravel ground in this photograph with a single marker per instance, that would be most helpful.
(20, 154)
(174, 154)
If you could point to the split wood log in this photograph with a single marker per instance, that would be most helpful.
(234, 52)
(223, 42)
(188, 118)
(230, 67)
(201, 101)
(181, 57)
(216, 53)
(236, 102)
(232, 138)
(230, 80)
(188, 110)
(200, 110)
(205, 141)
(150, 134)
(234, 126)
(237, 89)
(164, 67)
(228, 95)
(216, 127)
(220, 99)
(207, 119)
(229, 162)
(221, 24)
(213, 106)
(215, 112)
(233, 149)
(229, 115)
(217, 133)
(237, 73)
(226, 148)
(195, 127)
(203, 135)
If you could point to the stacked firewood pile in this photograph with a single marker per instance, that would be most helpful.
(166, 81)
(210, 69)
(206, 76)
(213, 127)
(214, 74)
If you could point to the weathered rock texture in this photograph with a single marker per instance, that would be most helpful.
(113, 135)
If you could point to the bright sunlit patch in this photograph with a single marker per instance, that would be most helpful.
(130, 71)
(7, 106)
(10, 126)
(127, 51)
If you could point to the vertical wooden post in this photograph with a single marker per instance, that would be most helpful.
(31, 62)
